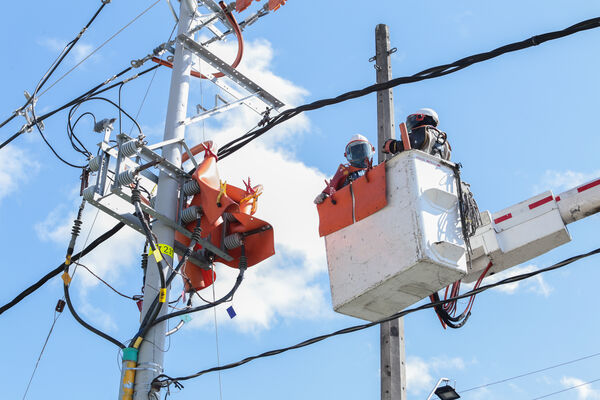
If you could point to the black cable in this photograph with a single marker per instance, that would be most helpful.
(429, 73)
(102, 238)
(90, 92)
(82, 322)
(55, 64)
(223, 299)
(165, 380)
(537, 371)
(147, 323)
(71, 132)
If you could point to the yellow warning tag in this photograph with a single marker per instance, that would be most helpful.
(164, 249)
(157, 256)
(66, 278)
(162, 295)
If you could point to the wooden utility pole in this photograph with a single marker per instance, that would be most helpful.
(393, 357)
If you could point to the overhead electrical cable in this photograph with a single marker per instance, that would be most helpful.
(102, 238)
(55, 64)
(103, 281)
(102, 45)
(165, 380)
(429, 73)
(66, 285)
(567, 389)
(537, 371)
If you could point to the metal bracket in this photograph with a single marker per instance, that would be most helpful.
(216, 110)
(231, 73)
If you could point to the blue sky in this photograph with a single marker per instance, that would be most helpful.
(520, 124)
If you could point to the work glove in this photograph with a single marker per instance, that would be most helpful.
(320, 198)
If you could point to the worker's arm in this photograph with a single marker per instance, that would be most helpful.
(336, 183)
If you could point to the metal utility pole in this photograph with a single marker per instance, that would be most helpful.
(393, 357)
(150, 359)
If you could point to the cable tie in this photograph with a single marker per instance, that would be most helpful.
(66, 278)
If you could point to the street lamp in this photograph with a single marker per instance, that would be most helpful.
(445, 392)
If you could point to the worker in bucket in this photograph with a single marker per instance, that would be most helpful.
(423, 135)
(359, 153)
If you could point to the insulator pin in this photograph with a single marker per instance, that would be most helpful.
(229, 217)
(191, 188)
(94, 163)
(190, 214)
(130, 148)
(233, 241)
(126, 178)
(88, 193)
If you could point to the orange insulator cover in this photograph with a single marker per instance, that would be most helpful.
(241, 5)
(361, 198)
(275, 4)
(215, 199)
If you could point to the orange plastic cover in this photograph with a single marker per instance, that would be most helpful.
(241, 5)
(369, 192)
(275, 4)
(333, 217)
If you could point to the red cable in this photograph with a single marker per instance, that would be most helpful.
(240, 52)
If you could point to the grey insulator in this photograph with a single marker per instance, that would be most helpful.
(191, 188)
(130, 148)
(88, 193)
(126, 178)
(233, 241)
(229, 217)
(94, 163)
(190, 214)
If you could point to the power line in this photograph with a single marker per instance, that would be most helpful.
(55, 65)
(429, 73)
(567, 389)
(103, 281)
(165, 380)
(102, 238)
(37, 363)
(532, 372)
(102, 45)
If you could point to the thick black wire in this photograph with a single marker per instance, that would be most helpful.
(429, 73)
(85, 324)
(223, 299)
(55, 65)
(102, 238)
(165, 380)
(71, 133)
(91, 92)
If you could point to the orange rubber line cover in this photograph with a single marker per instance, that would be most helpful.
(241, 5)
(259, 246)
(333, 217)
(275, 4)
(369, 192)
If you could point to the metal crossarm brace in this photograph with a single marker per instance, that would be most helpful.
(231, 73)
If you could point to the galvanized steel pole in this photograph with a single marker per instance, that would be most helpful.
(393, 357)
(151, 353)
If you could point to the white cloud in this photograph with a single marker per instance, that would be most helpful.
(422, 375)
(97, 317)
(564, 180)
(536, 284)
(16, 167)
(584, 392)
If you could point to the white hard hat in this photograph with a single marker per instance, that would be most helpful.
(430, 112)
(359, 151)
